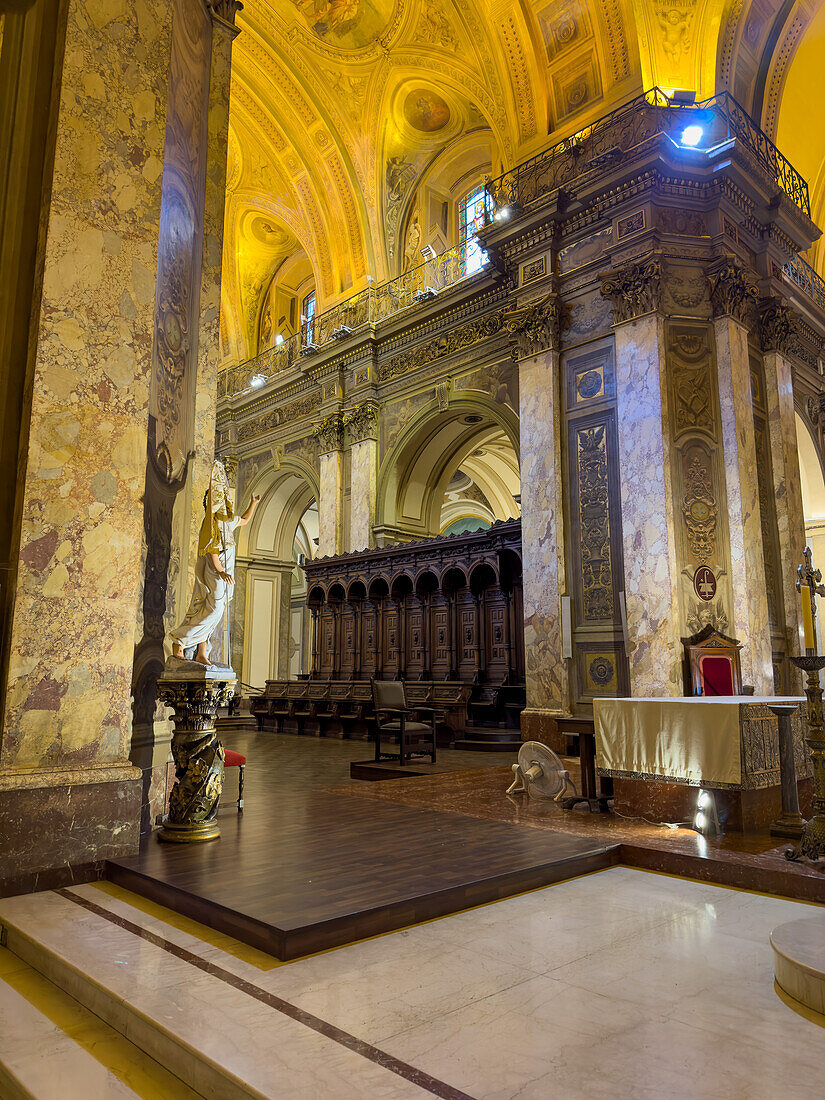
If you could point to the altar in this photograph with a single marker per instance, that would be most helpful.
(659, 751)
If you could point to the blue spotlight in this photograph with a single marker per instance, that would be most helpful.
(691, 135)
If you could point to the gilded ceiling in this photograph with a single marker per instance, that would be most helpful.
(351, 121)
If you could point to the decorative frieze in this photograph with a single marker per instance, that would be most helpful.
(635, 289)
(274, 418)
(472, 333)
(361, 422)
(778, 326)
(535, 327)
(733, 291)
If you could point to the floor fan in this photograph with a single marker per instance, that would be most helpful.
(540, 772)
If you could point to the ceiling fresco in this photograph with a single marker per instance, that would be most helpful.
(354, 124)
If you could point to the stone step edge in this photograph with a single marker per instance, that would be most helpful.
(12, 1080)
(156, 1040)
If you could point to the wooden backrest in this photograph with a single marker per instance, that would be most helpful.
(712, 665)
(389, 694)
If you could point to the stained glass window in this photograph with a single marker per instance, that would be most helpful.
(474, 211)
(308, 311)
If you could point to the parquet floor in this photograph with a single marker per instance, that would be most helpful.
(305, 868)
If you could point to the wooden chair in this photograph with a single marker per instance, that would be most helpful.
(712, 664)
(236, 760)
(389, 699)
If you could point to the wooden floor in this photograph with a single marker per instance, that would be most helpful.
(305, 868)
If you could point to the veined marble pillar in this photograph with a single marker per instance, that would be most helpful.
(733, 297)
(185, 351)
(284, 620)
(68, 793)
(535, 331)
(362, 432)
(777, 326)
(330, 433)
(654, 649)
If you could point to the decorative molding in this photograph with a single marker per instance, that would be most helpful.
(634, 290)
(778, 326)
(536, 327)
(274, 418)
(733, 292)
(224, 12)
(361, 422)
(463, 337)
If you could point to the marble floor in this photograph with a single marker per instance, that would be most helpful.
(623, 983)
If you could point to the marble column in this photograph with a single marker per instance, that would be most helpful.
(733, 298)
(284, 620)
(330, 433)
(362, 434)
(185, 352)
(535, 332)
(68, 793)
(654, 648)
(777, 327)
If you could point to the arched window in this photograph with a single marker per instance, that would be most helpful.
(308, 315)
(474, 211)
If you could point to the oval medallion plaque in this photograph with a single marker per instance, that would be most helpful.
(704, 583)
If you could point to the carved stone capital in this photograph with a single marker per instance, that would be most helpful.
(224, 12)
(634, 290)
(778, 326)
(361, 422)
(330, 432)
(535, 327)
(733, 291)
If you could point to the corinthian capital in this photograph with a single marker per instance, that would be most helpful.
(362, 422)
(635, 289)
(330, 432)
(733, 291)
(778, 326)
(535, 327)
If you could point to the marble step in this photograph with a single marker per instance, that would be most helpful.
(191, 1016)
(62, 1052)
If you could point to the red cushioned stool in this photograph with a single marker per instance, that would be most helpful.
(235, 760)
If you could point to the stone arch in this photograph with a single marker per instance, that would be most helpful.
(414, 474)
(270, 621)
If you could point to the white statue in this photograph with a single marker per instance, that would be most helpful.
(214, 572)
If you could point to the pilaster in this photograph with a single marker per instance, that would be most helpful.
(361, 427)
(733, 296)
(535, 340)
(330, 435)
(651, 592)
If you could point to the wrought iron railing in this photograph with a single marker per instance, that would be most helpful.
(801, 273)
(368, 307)
(629, 127)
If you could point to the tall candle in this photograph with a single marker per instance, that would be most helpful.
(807, 617)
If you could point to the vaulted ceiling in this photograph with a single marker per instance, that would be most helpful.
(344, 112)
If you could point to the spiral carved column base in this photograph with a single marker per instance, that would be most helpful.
(195, 692)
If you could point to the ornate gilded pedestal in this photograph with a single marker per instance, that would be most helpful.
(195, 692)
(812, 845)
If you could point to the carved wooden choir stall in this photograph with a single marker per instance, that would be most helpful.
(445, 615)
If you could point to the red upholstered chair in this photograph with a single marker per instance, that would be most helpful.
(712, 664)
(235, 760)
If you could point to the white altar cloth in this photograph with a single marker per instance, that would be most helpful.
(692, 740)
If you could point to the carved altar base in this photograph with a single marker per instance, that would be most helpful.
(195, 692)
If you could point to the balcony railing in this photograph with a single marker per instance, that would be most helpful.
(711, 123)
(369, 306)
(608, 140)
(812, 284)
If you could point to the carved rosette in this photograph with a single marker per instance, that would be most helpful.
(197, 752)
(330, 432)
(361, 422)
(634, 290)
(535, 327)
(733, 292)
(778, 326)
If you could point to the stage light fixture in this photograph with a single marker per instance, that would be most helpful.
(279, 339)
(691, 136)
(257, 380)
(502, 214)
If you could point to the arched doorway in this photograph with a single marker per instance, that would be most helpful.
(272, 637)
(452, 470)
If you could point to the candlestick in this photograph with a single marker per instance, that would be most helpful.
(807, 617)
